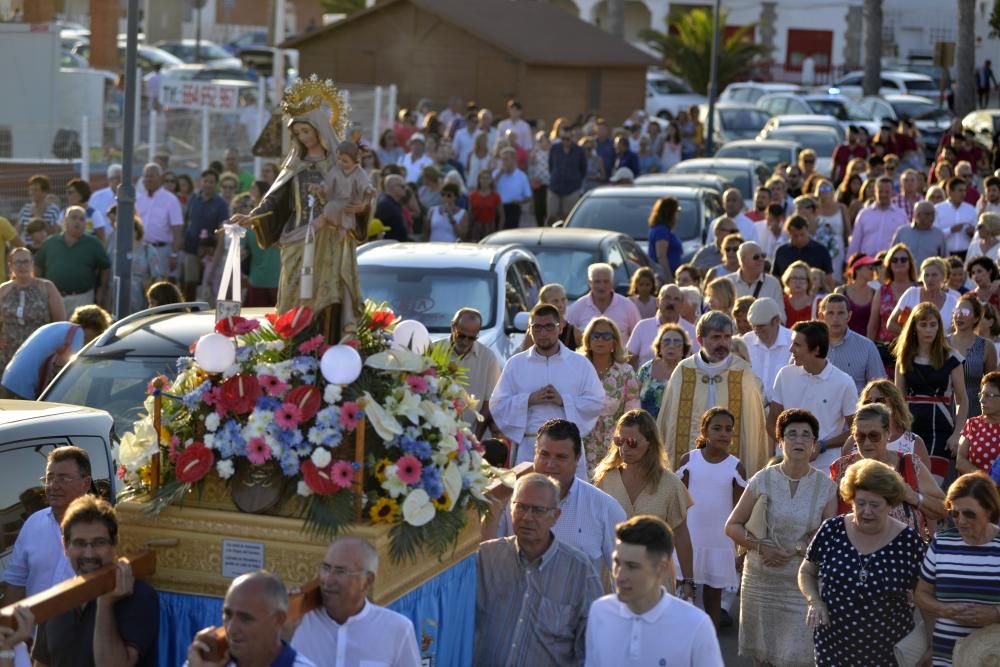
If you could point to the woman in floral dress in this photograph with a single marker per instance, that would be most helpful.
(603, 345)
(669, 348)
(26, 303)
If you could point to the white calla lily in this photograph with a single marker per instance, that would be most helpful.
(452, 480)
(384, 424)
(418, 509)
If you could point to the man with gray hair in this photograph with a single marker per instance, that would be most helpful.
(534, 591)
(714, 377)
(751, 279)
(348, 629)
(480, 363)
(162, 219)
(921, 236)
(669, 303)
(712, 255)
(389, 207)
(253, 613)
(602, 300)
(104, 198)
(732, 201)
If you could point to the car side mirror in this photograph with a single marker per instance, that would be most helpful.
(521, 321)
(559, 223)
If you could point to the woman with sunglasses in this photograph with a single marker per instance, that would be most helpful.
(832, 229)
(979, 356)
(871, 433)
(899, 273)
(669, 347)
(603, 345)
(636, 473)
(800, 302)
(901, 438)
(933, 289)
(957, 590)
(26, 303)
(979, 445)
(860, 274)
(798, 498)
(730, 258)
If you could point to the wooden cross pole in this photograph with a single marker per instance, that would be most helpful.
(359, 474)
(154, 463)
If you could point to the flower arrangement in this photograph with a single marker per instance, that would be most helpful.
(273, 406)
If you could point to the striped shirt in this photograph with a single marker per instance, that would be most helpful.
(51, 215)
(959, 573)
(532, 614)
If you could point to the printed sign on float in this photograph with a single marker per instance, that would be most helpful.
(240, 557)
(199, 95)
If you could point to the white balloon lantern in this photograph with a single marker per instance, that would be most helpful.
(411, 335)
(341, 364)
(215, 352)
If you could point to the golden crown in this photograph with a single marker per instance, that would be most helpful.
(305, 95)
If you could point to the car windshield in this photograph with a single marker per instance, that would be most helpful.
(737, 120)
(839, 109)
(630, 215)
(208, 51)
(117, 385)
(431, 295)
(823, 143)
(916, 110)
(740, 178)
(766, 154)
(921, 86)
(669, 87)
(566, 266)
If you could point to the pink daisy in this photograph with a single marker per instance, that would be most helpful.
(431, 372)
(349, 415)
(342, 474)
(408, 469)
(172, 446)
(288, 416)
(353, 343)
(417, 383)
(461, 442)
(257, 451)
(312, 344)
(211, 397)
(272, 384)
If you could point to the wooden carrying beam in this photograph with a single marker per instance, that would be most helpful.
(76, 592)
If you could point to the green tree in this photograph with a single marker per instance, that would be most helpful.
(687, 49)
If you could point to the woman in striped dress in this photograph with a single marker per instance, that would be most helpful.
(957, 590)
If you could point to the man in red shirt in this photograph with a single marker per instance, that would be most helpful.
(844, 153)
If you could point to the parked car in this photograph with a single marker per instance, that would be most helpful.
(666, 95)
(431, 281)
(188, 72)
(751, 91)
(931, 119)
(710, 181)
(247, 40)
(985, 123)
(844, 109)
(626, 210)
(208, 53)
(147, 56)
(769, 151)
(822, 140)
(743, 173)
(807, 119)
(29, 430)
(564, 254)
(734, 121)
(892, 82)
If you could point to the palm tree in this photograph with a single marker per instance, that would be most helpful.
(687, 53)
(873, 47)
(965, 58)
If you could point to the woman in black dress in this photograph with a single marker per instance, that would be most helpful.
(929, 374)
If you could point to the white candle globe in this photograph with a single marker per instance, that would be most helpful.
(411, 335)
(341, 364)
(215, 352)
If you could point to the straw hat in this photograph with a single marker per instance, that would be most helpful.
(981, 648)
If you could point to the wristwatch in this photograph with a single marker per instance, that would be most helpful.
(800, 550)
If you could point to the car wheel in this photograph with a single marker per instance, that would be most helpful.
(665, 115)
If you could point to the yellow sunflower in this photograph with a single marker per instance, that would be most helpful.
(384, 510)
(441, 504)
(380, 467)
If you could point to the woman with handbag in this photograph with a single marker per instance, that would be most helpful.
(774, 520)
(957, 590)
(923, 505)
(859, 572)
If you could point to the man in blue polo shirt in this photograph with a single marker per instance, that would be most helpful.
(513, 187)
(206, 212)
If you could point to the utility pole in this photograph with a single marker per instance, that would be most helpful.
(126, 191)
(713, 82)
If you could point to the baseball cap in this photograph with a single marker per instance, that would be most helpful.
(864, 260)
(417, 136)
(623, 174)
(763, 310)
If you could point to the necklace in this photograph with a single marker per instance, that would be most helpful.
(781, 469)
(863, 573)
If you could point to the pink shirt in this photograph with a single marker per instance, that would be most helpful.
(874, 229)
(621, 311)
(158, 213)
(640, 343)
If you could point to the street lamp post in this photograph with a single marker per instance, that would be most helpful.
(126, 191)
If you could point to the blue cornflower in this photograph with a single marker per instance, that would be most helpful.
(289, 463)
(430, 480)
(419, 448)
(229, 439)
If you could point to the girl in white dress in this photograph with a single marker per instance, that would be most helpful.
(715, 479)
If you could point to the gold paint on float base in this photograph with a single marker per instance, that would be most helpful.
(188, 543)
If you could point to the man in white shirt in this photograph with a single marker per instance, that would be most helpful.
(752, 280)
(513, 187)
(769, 343)
(546, 381)
(588, 516)
(813, 383)
(104, 198)
(956, 218)
(162, 219)
(464, 138)
(771, 230)
(415, 161)
(732, 200)
(643, 624)
(668, 310)
(602, 300)
(517, 124)
(348, 629)
(480, 363)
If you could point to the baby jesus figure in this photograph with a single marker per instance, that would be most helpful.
(346, 192)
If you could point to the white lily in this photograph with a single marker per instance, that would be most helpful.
(392, 484)
(418, 509)
(135, 449)
(452, 480)
(384, 424)
(409, 406)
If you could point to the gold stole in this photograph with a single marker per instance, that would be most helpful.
(689, 377)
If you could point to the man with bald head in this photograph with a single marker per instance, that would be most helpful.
(389, 207)
(253, 613)
(481, 364)
(76, 262)
(602, 300)
(348, 629)
(161, 215)
(669, 303)
(751, 279)
(732, 201)
(921, 236)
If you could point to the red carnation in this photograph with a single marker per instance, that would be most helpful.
(235, 326)
(307, 399)
(194, 463)
(240, 393)
(320, 480)
(382, 319)
(293, 322)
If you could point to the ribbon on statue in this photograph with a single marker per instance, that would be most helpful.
(231, 274)
(308, 255)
